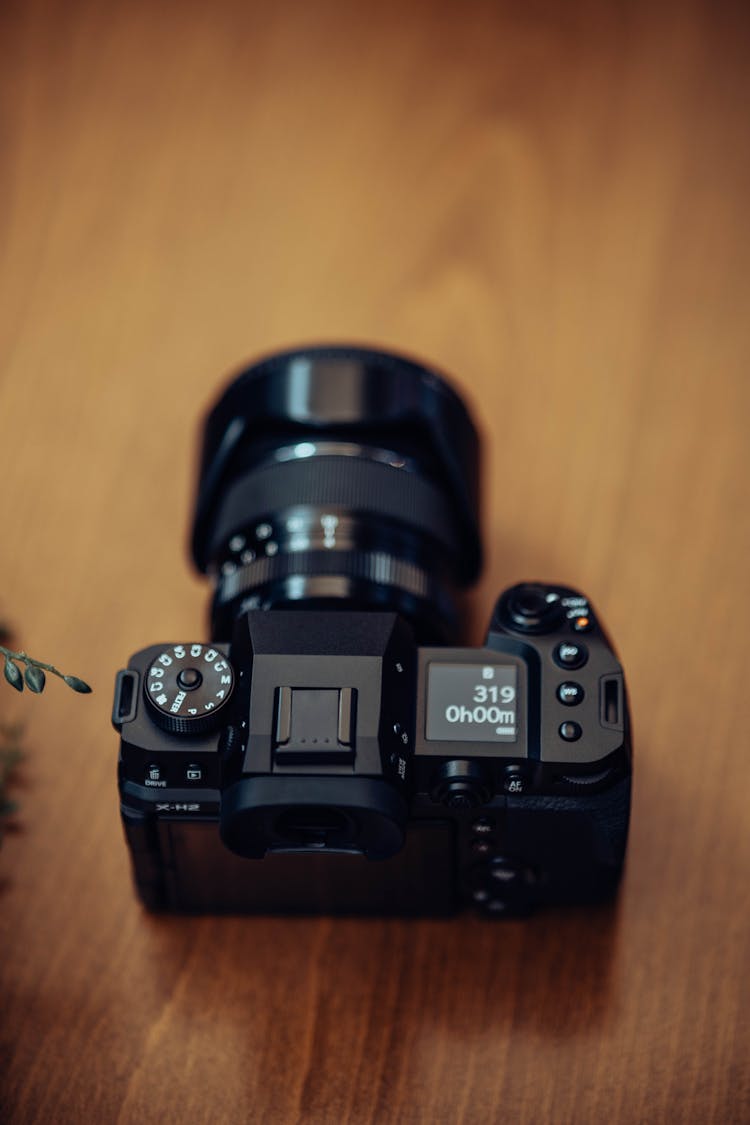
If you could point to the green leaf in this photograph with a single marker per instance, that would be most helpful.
(35, 679)
(13, 674)
(77, 685)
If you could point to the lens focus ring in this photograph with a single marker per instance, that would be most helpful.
(375, 566)
(369, 488)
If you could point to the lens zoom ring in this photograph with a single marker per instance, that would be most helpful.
(373, 566)
(367, 487)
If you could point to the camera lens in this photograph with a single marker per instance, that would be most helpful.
(337, 477)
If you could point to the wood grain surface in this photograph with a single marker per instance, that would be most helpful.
(550, 202)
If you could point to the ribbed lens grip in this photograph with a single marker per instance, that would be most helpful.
(369, 488)
(369, 566)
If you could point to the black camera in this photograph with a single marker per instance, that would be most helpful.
(331, 750)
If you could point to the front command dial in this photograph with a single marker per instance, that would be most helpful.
(186, 687)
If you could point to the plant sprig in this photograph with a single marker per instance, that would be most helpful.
(33, 676)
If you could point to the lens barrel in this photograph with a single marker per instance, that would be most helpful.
(339, 477)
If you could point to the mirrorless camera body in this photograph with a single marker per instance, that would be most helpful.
(332, 749)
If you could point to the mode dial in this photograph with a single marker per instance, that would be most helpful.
(186, 686)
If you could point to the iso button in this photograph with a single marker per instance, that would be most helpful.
(570, 654)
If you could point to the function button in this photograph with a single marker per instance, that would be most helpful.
(570, 693)
(570, 654)
(582, 623)
(570, 732)
(483, 826)
(481, 847)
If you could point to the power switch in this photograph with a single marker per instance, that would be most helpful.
(314, 726)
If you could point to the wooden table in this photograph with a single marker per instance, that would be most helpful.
(549, 202)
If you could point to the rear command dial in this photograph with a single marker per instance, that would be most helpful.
(186, 687)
